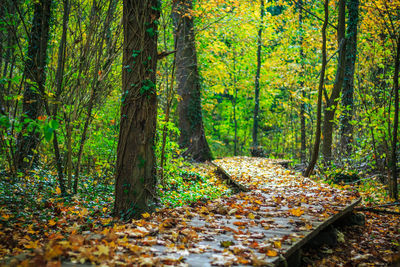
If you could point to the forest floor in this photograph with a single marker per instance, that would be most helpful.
(39, 228)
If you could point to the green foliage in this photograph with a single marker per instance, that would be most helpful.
(342, 176)
(183, 183)
(226, 43)
(188, 186)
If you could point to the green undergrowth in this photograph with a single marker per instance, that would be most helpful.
(370, 187)
(35, 197)
(189, 185)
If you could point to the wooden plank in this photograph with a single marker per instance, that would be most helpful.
(270, 181)
(320, 227)
(225, 175)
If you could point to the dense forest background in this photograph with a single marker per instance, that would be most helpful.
(112, 113)
(259, 66)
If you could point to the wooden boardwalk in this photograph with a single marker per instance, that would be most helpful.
(276, 213)
(264, 226)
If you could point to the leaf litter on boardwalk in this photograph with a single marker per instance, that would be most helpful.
(170, 236)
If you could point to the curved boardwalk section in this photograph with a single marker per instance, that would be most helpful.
(275, 214)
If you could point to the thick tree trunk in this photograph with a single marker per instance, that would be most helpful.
(35, 76)
(315, 153)
(393, 183)
(331, 103)
(135, 168)
(255, 144)
(346, 131)
(192, 136)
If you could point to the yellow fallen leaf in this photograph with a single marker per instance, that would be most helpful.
(32, 244)
(102, 250)
(251, 216)
(271, 253)
(297, 212)
(52, 222)
(277, 244)
(58, 190)
(146, 215)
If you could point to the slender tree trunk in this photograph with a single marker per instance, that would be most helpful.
(192, 136)
(235, 144)
(234, 104)
(60, 76)
(69, 153)
(135, 169)
(235, 122)
(303, 147)
(96, 80)
(346, 131)
(315, 153)
(255, 144)
(393, 184)
(35, 79)
(331, 103)
(56, 148)
(170, 90)
(169, 98)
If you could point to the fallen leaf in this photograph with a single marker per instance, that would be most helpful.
(296, 212)
(271, 253)
(226, 244)
(102, 250)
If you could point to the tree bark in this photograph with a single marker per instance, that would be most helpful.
(192, 136)
(35, 76)
(135, 168)
(315, 153)
(59, 81)
(169, 97)
(331, 103)
(346, 131)
(234, 104)
(255, 144)
(303, 147)
(393, 184)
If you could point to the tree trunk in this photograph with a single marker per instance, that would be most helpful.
(315, 153)
(393, 183)
(234, 104)
(35, 76)
(169, 97)
(135, 168)
(255, 144)
(192, 136)
(303, 147)
(235, 121)
(331, 103)
(346, 131)
(59, 82)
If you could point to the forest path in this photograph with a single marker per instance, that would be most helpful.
(263, 226)
(266, 225)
